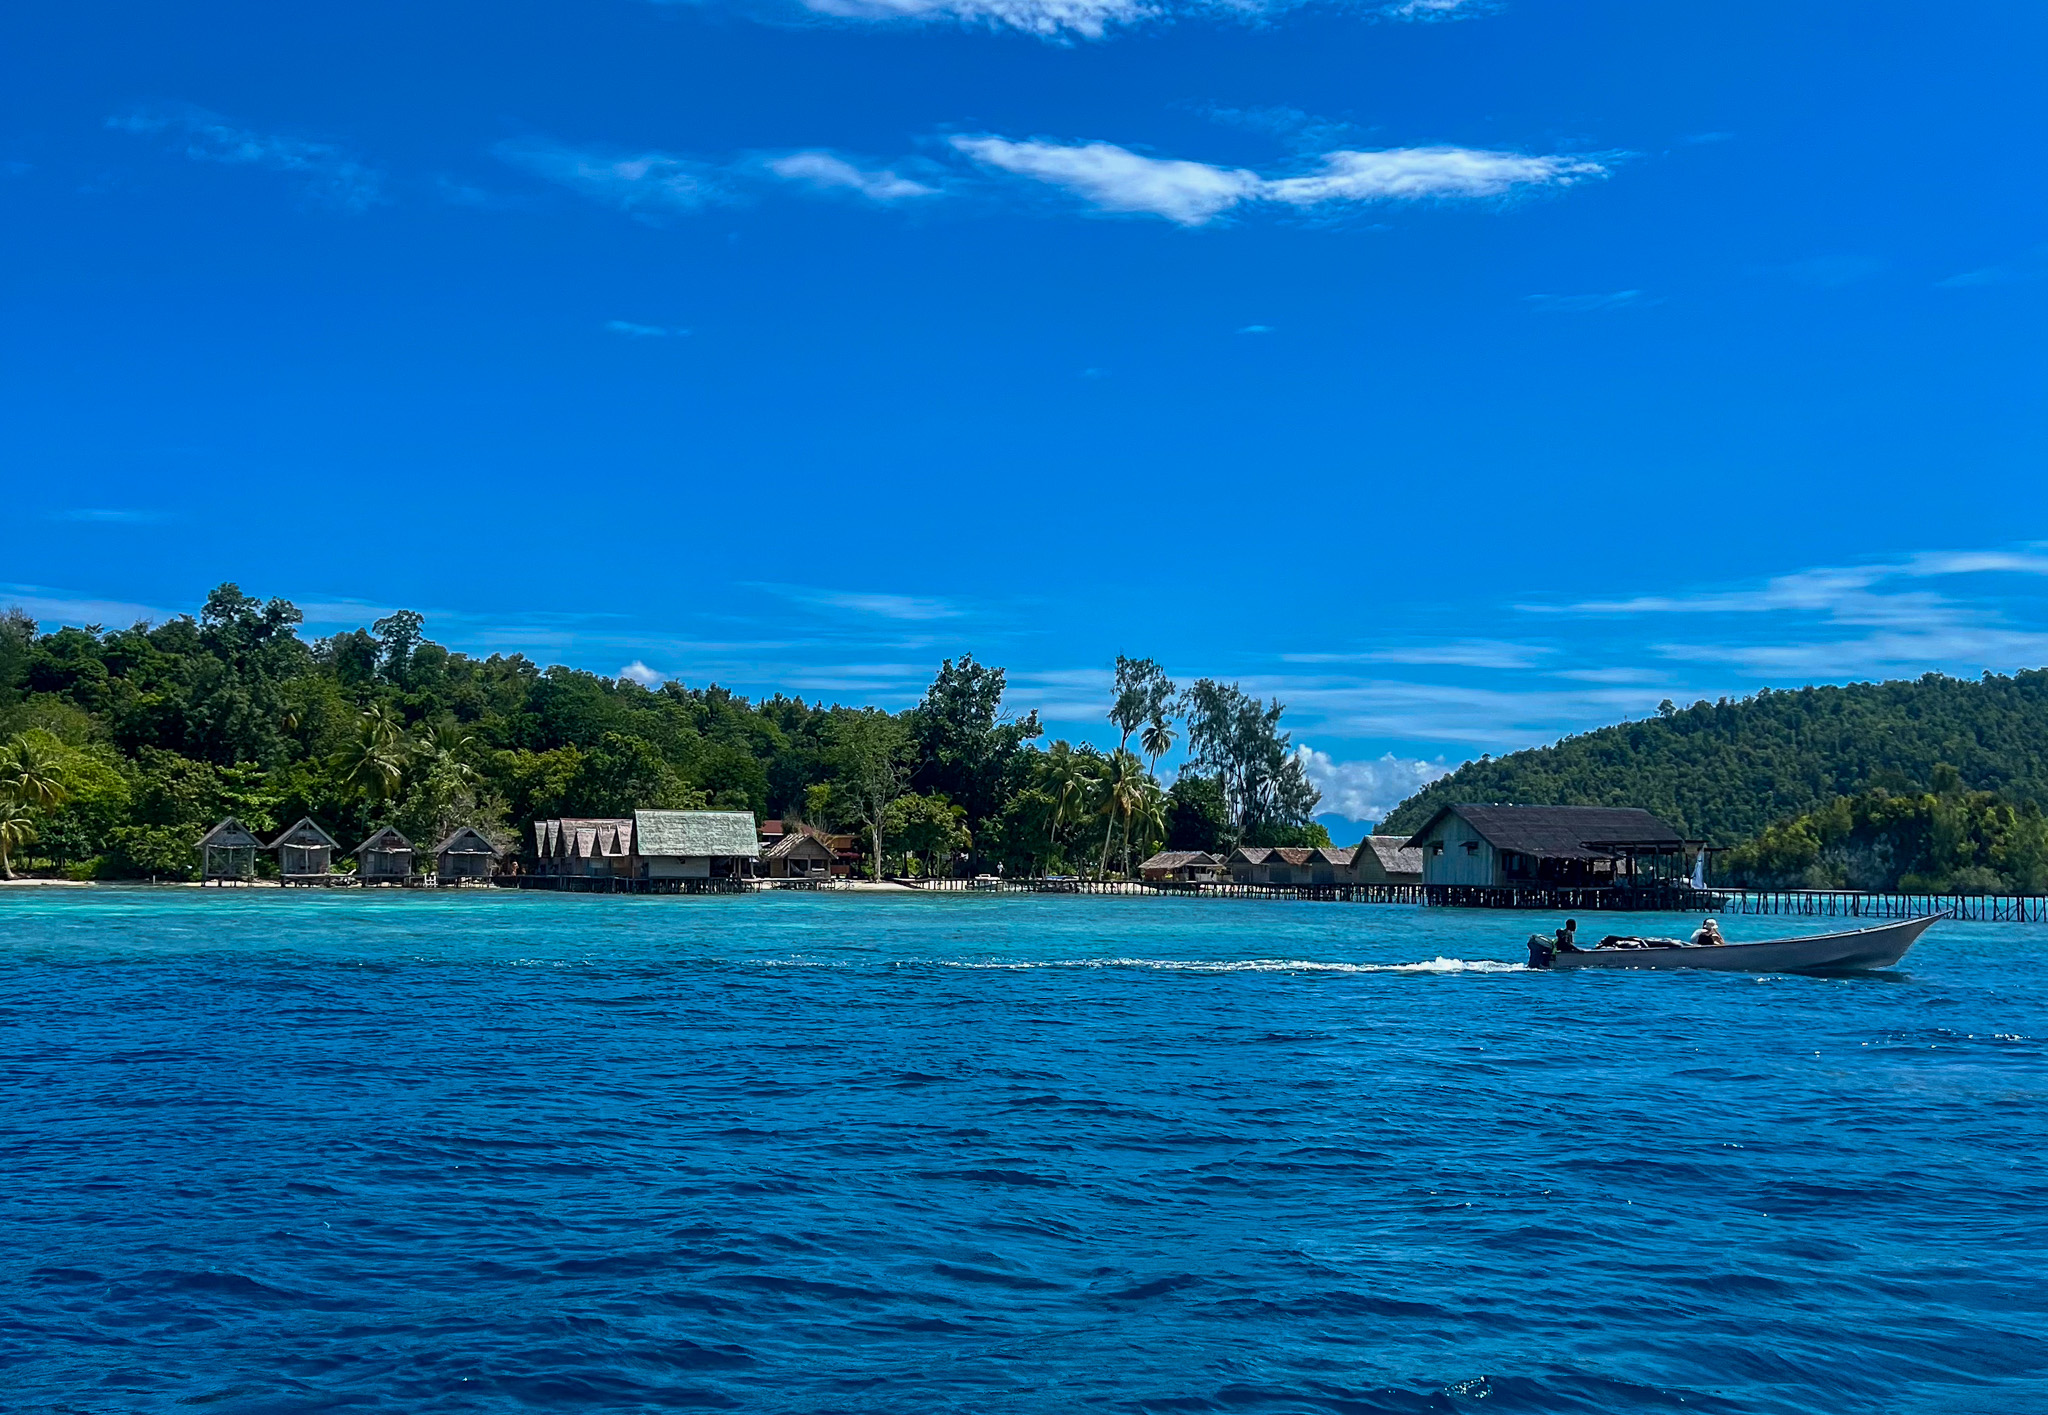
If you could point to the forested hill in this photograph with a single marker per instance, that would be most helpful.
(1724, 771)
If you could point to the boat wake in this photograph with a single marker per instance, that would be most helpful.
(1252, 965)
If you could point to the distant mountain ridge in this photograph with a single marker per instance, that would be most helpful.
(1725, 771)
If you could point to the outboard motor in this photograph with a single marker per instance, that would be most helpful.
(1541, 950)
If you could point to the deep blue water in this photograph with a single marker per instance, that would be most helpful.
(987, 1154)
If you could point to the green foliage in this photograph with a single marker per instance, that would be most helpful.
(1725, 771)
(1238, 741)
(1951, 840)
(150, 735)
(1197, 816)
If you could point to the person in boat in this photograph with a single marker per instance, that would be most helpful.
(1568, 937)
(1708, 936)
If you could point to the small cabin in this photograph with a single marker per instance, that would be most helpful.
(465, 855)
(1181, 867)
(1291, 865)
(694, 844)
(305, 853)
(227, 853)
(584, 846)
(1386, 859)
(385, 858)
(798, 854)
(1579, 846)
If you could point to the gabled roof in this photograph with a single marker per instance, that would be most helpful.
(467, 841)
(304, 833)
(799, 842)
(696, 833)
(1560, 832)
(1251, 854)
(386, 838)
(230, 834)
(1397, 856)
(1179, 859)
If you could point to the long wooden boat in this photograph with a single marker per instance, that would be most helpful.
(1859, 950)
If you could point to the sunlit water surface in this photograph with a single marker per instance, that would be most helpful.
(856, 1153)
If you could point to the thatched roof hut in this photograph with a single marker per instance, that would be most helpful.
(385, 857)
(304, 851)
(228, 852)
(466, 854)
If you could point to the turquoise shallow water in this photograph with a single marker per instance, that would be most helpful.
(859, 1153)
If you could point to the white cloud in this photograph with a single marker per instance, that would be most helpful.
(1368, 790)
(1114, 178)
(109, 517)
(640, 673)
(1461, 653)
(643, 183)
(828, 172)
(643, 331)
(1066, 20)
(1049, 19)
(1256, 329)
(881, 605)
(1117, 179)
(333, 178)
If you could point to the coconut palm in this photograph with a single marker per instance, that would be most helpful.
(30, 773)
(16, 830)
(373, 763)
(1069, 779)
(1120, 789)
(1157, 740)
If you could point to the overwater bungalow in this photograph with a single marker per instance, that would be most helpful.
(305, 853)
(227, 854)
(798, 854)
(1181, 866)
(1580, 847)
(584, 847)
(465, 855)
(385, 858)
(1386, 859)
(694, 844)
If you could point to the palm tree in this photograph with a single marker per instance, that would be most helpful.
(373, 764)
(1069, 778)
(1122, 786)
(16, 830)
(448, 746)
(29, 772)
(1157, 740)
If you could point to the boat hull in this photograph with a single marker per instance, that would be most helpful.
(1859, 950)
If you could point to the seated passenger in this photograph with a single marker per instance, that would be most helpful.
(1709, 935)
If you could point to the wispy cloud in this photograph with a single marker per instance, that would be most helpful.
(1067, 20)
(1368, 790)
(1461, 653)
(1256, 329)
(56, 606)
(644, 331)
(646, 184)
(1115, 179)
(2028, 268)
(829, 172)
(332, 177)
(1589, 304)
(909, 608)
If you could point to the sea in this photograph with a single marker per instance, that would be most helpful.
(271, 1152)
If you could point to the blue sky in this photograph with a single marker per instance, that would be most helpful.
(1465, 374)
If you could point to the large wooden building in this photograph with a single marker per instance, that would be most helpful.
(1571, 846)
(648, 845)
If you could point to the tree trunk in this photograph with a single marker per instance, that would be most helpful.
(876, 830)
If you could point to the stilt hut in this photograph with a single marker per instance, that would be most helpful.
(227, 854)
(305, 853)
(385, 858)
(463, 856)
